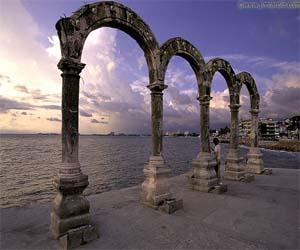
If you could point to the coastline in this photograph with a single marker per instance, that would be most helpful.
(256, 215)
(281, 145)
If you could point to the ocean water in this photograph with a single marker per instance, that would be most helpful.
(28, 163)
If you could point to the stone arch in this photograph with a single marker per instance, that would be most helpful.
(178, 46)
(224, 68)
(255, 162)
(74, 30)
(71, 208)
(247, 79)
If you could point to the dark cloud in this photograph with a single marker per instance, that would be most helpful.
(96, 96)
(36, 94)
(53, 119)
(54, 107)
(21, 88)
(85, 114)
(177, 97)
(282, 103)
(8, 104)
(96, 121)
(24, 113)
(115, 106)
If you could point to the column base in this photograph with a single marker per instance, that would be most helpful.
(219, 189)
(203, 177)
(155, 189)
(234, 169)
(78, 236)
(255, 164)
(70, 213)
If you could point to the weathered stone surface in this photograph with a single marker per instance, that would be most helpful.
(204, 177)
(219, 189)
(90, 233)
(155, 188)
(73, 238)
(255, 162)
(248, 178)
(268, 171)
(70, 216)
(171, 205)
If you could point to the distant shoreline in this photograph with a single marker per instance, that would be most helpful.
(285, 145)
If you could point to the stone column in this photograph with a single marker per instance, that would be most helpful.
(155, 189)
(234, 170)
(203, 174)
(70, 216)
(255, 163)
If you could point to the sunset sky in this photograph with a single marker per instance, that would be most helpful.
(113, 94)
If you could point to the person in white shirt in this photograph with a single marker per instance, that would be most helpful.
(217, 152)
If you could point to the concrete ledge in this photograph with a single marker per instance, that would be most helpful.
(260, 215)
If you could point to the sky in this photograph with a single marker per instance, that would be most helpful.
(113, 94)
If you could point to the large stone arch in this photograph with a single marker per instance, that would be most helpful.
(203, 178)
(71, 209)
(234, 169)
(255, 162)
(154, 188)
(224, 68)
(74, 30)
(178, 46)
(245, 78)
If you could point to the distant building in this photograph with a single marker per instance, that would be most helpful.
(268, 129)
(245, 128)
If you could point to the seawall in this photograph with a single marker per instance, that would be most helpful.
(263, 214)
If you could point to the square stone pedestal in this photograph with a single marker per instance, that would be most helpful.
(234, 169)
(171, 205)
(70, 216)
(78, 236)
(255, 164)
(156, 187)
(203, 177)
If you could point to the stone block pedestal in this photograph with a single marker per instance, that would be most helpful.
(155, 189)
(234, 168)
(203, 177)
(255, 164)
(78, 236)
(171, 205)
(70, 217)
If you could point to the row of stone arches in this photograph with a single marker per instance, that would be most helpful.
(71, 209)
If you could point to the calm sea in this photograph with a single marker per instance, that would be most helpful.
(29, 163)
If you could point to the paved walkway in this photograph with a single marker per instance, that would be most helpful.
(263, 214)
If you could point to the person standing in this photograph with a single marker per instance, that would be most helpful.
(217, 152)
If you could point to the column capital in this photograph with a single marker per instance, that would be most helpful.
(157, 86)
(254, 111)
(234, 107)
(204, 100)
(69, 66)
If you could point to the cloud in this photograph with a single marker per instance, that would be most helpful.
(283, 100)
(96, 121)
(260, 61)
(53, 107)
(178, 97)
(53, 119)
(8, 104)
(114, 86)
(85, 114)
(24, 113)
(21, 88)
